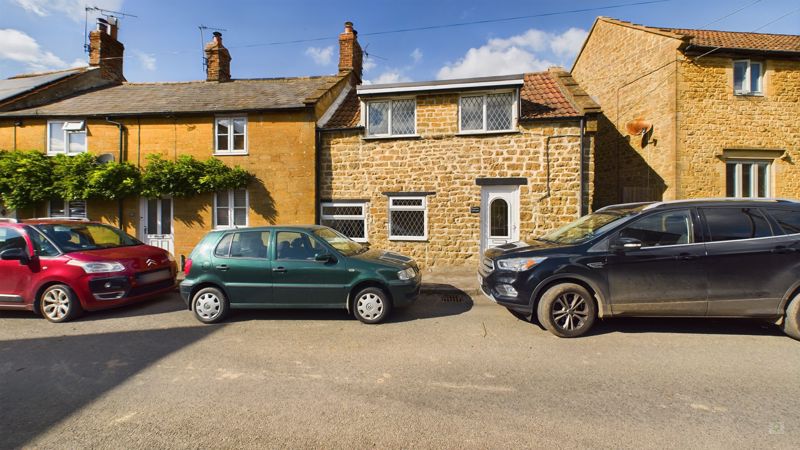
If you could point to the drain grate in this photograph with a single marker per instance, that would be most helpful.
(452, 298)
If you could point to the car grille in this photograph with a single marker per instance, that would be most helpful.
(488, 264)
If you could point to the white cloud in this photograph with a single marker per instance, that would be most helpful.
(321, 56)
(147, 61)
(567, 44)
(389, 76)
(416, 55)
(18, 46)
(74, 9)
(526, 52)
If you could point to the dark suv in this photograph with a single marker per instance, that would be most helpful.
(693, 258)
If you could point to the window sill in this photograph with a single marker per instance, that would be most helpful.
(63, 153)
(486, 133)
(394, 136)
(218, 153)
(748, 94)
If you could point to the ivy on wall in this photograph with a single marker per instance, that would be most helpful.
(29, 177)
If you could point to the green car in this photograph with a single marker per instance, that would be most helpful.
(295, 267)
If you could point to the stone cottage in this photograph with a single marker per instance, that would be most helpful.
(692, 113)
(440, 170)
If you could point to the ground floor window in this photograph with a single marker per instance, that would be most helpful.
(67, 208)
(408, 218)
(347, 218)
(230, 208)
(747, 178)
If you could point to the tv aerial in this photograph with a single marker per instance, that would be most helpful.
(107, 13)
(202, 29)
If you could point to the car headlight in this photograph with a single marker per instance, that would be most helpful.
(406, 274)
(519, 264)
(98, 266)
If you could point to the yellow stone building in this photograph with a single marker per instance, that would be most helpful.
(266, 126)
(692, 113)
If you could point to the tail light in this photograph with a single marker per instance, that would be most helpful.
(187, 266)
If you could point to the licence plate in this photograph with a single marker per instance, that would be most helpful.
(152, 277)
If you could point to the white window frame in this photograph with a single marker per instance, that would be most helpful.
(230, 150)
(389, 119)
(69, 126)
(362, 216)
(66, 208)
(231, 210)
(746, 82)
(754, 181)
(423, 207)
(514, 111)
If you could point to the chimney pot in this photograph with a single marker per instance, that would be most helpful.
(218, 60)
(350, 53)
(105, 51)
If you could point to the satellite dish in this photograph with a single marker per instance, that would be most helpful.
(639, 126)
(106, 158)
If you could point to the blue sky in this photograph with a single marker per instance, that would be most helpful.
(163, 42)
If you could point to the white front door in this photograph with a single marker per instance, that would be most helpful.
(156, 223)
(499, 215)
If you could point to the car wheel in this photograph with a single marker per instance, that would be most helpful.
(210, 305)
(791, 321)
(567, 310)
(371, 305)
(59, 304)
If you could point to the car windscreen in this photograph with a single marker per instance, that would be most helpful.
(85, 236)
(585, 228)
(340, 242)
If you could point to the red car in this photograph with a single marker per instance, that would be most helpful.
(63, 267)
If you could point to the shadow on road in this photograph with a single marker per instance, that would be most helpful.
(45, 380)
(427, 306)
(162, 304)
(749, 327)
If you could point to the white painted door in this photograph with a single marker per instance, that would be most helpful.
(156, 223)
(499, 215)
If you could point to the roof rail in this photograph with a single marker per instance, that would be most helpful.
(721, 199)
(8, 219)
(79, 219)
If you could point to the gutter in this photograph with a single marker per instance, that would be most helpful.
(121, 127)
(581, 203)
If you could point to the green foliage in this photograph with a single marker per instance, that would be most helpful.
(113, 181)
(187, 176)
(26, 178)
(70, 175)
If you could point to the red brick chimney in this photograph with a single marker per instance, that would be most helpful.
(350, 55)
(105, 51)
(218, 60)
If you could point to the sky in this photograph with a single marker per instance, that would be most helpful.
(163, 42)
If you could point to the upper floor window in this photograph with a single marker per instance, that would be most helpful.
(230, 208)
(747, 178)
(748, 77)
(230, 135)
(392, 117)
(487, 112)
(68, 137)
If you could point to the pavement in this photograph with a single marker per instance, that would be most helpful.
(452, 371)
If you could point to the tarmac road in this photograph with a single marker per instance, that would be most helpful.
(441, 374)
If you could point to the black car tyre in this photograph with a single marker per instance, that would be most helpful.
(791, 321)
(210, 305)
(567, 310)
(371, 305)
(59, 304)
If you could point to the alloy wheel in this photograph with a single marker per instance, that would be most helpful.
(56, 304)
(570, 311)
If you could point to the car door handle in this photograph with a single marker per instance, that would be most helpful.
(279, 269)
(222, 267)
(686, 257)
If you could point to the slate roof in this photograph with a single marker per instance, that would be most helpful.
(544, 95)
(135, 99)
(21, 84)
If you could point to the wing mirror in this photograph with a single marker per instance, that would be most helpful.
(15, 254)
(624, 244)
(323, 257)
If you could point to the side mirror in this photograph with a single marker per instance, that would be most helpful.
(15, 254)
(323, 257)
(624, 244)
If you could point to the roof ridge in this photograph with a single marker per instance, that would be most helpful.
(50, 72)
(727, 31)
(157, 83)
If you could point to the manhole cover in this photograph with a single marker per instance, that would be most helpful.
(452, 298)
